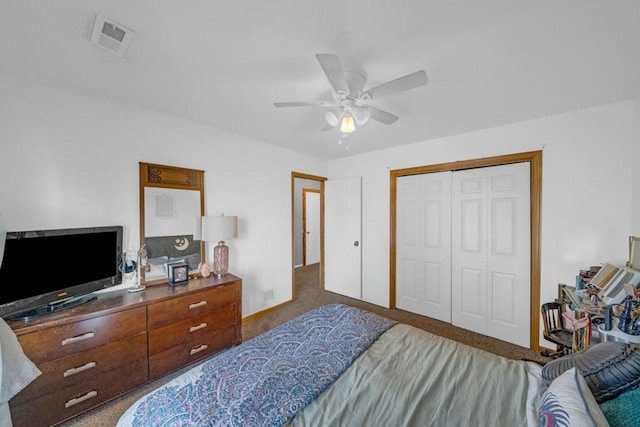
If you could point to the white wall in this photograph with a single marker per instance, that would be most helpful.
(69, 159)
(635, 177)
(586, 189)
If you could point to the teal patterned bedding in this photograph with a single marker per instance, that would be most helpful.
(266, 380)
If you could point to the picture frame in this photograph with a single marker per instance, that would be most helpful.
(178, 273)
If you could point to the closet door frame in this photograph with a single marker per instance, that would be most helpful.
(535, 160)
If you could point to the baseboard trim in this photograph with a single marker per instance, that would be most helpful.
(264, 312)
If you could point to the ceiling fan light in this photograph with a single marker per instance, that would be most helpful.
(332, 118)
(361, 114)
(347, 125)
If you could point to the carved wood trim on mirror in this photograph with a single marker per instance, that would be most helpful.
(171, 198)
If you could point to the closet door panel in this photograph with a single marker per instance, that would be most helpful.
(468, 251)
(503, 289)
(491, 236)
(465, 257)
(409, 292)
(508, 260)
(423, 242)
(433, 285)
(471, 298)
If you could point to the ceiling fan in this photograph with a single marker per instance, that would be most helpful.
(351, 103)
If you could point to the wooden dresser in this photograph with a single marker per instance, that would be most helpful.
(97, 351)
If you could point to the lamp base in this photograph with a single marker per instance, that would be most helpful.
(220, 260)
(136, 288)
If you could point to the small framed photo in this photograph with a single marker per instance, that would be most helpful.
(178, 273)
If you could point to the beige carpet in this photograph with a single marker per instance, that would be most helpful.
(309, 295)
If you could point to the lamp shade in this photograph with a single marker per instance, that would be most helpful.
(347, 124)
(361, 114)
(332, 118)
(219, 228)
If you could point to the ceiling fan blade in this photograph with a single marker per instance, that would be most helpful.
(382, 116)
(333, 69)
(401, 84)
(299, 104)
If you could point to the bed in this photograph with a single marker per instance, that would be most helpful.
(341, 366)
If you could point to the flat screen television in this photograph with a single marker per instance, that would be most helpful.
(45, 271)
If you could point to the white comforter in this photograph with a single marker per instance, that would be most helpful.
(409, 377)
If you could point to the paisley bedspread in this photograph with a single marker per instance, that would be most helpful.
(266, 380)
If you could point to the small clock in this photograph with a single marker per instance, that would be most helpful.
(178, 273)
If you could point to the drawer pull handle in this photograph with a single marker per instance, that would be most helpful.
(198, 349)
(197, 328)
(79, 369)
(80, 399)
(82, 337)
(197, 304)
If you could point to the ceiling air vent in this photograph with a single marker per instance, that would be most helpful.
(110, 35)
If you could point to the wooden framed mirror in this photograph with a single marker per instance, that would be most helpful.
(171, 200)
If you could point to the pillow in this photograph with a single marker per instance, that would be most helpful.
(156, 271)
(16, 369)
(624, 410)
(157, 268)
(609, 368)
(158, 260)
(193, 260)
(568, 402)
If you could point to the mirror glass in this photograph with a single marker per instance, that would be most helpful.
(171, 202)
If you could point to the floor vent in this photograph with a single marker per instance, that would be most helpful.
(267, 296)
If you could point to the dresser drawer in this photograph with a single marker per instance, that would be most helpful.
(66, 402)
(176, 357)
(191, 330)
(53, 343)
(191, 305)
(86, 367)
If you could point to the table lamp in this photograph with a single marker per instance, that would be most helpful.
(218, 229)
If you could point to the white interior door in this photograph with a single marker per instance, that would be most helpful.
(423, 244)
(342, 236)
(311, 221)
(491, 251)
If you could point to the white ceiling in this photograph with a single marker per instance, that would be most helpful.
(224, 63)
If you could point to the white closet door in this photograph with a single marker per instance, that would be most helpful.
(343, 264)
(491, 251)
(423, 244)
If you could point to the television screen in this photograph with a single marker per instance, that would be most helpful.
(40, 267)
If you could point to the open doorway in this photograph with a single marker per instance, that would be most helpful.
(307, 226)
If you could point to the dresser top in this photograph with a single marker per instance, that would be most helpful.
(118, 300)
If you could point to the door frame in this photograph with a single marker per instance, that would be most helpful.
(306, 191)
(535, 160)
(321, 180)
